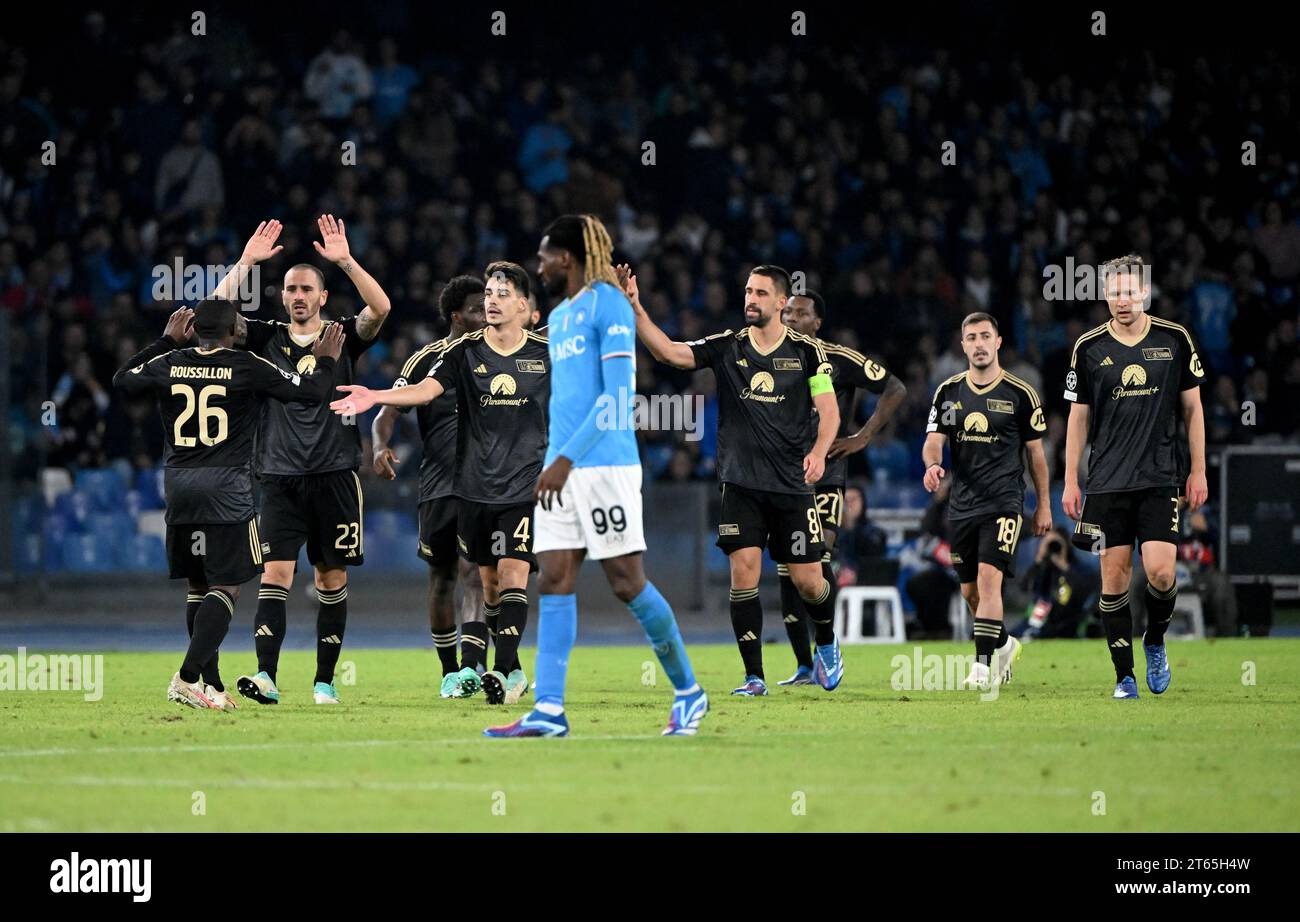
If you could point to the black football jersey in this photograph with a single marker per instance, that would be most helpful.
(1135, 418)
(297, 439)
(502, 402)
(210, 402)
(765, 408)
(987, 428)
(437, 424)
(850, 370)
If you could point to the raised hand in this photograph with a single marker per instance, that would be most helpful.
(627, 281)
(261, 245)
(330, 342)
(358, 400)
(180, 326)
(334, 239)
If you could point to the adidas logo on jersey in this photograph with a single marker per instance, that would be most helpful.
(791, 619)
(1107, 361)
(748, 635)
(522, 547)
(1120, 644)
(481, 370)
(511, 631)
(333, 638)
(743, 363)
(264, 631)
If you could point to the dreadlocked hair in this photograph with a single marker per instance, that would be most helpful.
(586, 238)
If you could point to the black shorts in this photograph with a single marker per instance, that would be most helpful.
(487, 532)
(787, 524)
(324, 510)
(830, 509)
(1119, 519)
(988, 538)
(215, 555)
(438, 531)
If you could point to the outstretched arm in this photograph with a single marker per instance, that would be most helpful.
(359, 399)
(179, 329)
(333, 245)
(665, 350)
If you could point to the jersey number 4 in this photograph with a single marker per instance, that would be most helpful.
(206, 414)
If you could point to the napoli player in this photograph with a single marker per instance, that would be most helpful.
(589, 493)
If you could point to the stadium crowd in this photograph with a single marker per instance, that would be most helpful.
(177, 149)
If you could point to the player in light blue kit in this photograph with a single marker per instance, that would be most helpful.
(589, 493)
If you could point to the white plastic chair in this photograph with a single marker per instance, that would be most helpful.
(850, 610)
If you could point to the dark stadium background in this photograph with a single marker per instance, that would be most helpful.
(818, 152)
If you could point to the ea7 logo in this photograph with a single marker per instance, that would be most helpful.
(618, 329)
(103, 875)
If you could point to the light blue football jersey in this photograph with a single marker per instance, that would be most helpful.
(596, 324)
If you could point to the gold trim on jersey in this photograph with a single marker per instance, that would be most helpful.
(1091, 334)
(810, 340)
(1170, 325)
(1034, 402)
(361, 517)
(523, 341)
(748, 334)
(942, 384)
(414, 360)
(985, 388)
(213, 351)
(254, 542)
(1111, 331)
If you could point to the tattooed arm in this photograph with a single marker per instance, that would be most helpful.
(333, 245)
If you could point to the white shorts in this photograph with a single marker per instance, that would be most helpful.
(601, 514)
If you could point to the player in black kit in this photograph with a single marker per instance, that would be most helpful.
(1135, 384)
(991, 419)
(850, 370)
(210, 398)
(501, 375)
(771, 450)
(461, 305)
(307, 459)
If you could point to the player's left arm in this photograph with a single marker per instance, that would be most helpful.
(891, 398)
(333, 245)
(1032, 424)
(1198, 489)
(1038, 473)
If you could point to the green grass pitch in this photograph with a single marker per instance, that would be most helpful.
(1052, 753)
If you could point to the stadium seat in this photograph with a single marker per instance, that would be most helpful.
(84, 554)
(111, 529)
(143, 554)
(54, 482)
(73, 508)
(889, 462)
(148, 483)
(105, 488)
